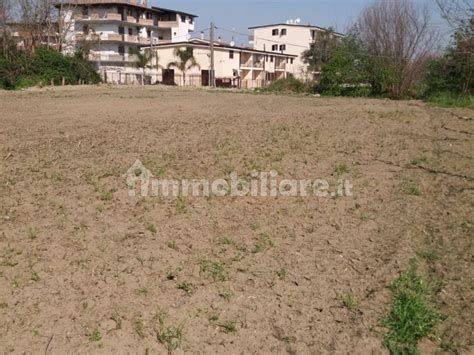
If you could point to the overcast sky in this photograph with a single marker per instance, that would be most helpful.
(241, 14)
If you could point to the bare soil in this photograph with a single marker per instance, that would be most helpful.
(82, 269)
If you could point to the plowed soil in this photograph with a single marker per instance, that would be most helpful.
(85, 268)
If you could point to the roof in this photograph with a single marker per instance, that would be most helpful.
(177, 11)
(206, 44)
(118, 2)
(297, 25)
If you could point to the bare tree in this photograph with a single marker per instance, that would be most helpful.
(5, 12)
(65, 24)
(456, 12)
(36, 22)
(399, 40)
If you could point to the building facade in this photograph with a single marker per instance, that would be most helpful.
(112, 32)
(289, 38)
(234, 66)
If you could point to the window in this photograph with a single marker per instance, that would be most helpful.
(282, 47)
(291, 61)
(271, 59)
(283, 32)
(183, 18)
(85, 29)
(275, 47)
(148, 33)
(149, 16)
(130, 31)
(275, 32)
(121, 49)
(191, 20)
(121, 30)
(85, 11)
(231, 54)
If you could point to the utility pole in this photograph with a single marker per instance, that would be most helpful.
(212, 79)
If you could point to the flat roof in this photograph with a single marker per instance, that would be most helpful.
(170, 10)
(297, 25)
(206, 44)
(120, 2)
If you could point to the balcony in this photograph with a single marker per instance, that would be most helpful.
(96, 17)
(168, 24)
(281, 66)
(123, 58)
(254, 64)
(145, 22)
(131, 39)
(143, 40)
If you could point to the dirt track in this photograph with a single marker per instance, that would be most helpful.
(82, 269)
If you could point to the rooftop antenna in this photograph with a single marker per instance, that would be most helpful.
(298, 21)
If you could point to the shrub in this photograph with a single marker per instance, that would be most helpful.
(20, 69)
(289, 85)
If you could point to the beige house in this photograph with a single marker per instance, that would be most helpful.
(288, 38)
(234, 66)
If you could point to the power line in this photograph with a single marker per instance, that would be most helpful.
(308, 47)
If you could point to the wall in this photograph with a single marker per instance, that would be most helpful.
(297, 40)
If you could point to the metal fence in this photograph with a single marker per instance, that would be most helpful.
(123, 78)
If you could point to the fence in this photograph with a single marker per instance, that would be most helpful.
(123, 78)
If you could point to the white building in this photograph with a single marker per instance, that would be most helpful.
(288, 38)
(234, 66)
(112, 32)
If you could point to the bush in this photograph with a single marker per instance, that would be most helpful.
(20, 69)
(289, 85)
(448, 99)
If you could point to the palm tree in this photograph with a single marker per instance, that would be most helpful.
(186, 61)
(143, 58)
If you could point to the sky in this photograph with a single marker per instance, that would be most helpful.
(238, 15)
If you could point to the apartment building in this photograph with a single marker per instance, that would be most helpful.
(288, 38)
(114, 31)
(234, 66)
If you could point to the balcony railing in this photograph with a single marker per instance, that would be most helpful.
(168, 24)
(130, 39)
(124, 58)
(97, 17)
(145, 22)
(253, 64)
(281, 65)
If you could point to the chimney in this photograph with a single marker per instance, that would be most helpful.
(219, 39)
(202, 35)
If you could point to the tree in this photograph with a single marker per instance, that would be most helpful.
(398, 41)
(5, 12)
(185, 62)
(36, 22)
(346, 72)
(143, 58)
(456, 12)
(321, 50)
(453, 73)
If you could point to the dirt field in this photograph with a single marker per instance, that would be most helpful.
(84, 268)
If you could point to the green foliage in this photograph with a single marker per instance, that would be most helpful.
(447, 99)
(288, 85)
(450, 78)
(412, 316)
(20, 69)
(214, 269)
(321, 50)
(345, 73)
